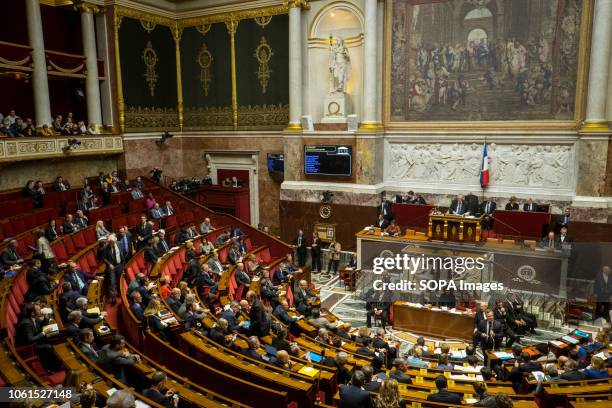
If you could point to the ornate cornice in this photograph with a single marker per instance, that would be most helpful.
(13, 150)
(144, 16)
(87, 8)
(234, 16)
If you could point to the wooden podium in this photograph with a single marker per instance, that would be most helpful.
(450, 227)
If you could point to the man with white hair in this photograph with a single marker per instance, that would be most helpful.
(88, 319)
(121, 399)
(206, 226)
(162, 245)
(113, 260)
(339, 362)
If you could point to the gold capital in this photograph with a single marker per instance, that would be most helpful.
(84, 7)
(595, 126)
(303, 4)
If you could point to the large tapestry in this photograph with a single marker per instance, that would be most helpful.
(484, 60)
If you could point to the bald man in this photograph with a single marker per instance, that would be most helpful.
(302, 297)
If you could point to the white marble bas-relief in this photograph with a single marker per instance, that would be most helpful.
(511, 165)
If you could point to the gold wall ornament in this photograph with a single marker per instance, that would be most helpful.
(263, 53)
(263, 21)
(236, 15)
(205, 60)
(139, 119)
(263, 117)
(209, 117)
(149, 56)
(148, 25)
(84, 7)
(204, 28)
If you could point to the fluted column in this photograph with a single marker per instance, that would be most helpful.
(295, 63)
(92, 83)
(369, 119)
(599, 67)
(40, 85)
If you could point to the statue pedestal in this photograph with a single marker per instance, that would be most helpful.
(335, 108)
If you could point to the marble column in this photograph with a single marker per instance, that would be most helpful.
(92, 83)
(369, 118)
(40, 85)
(295, 65)
(598, 70)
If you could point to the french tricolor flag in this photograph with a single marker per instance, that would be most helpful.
(484, 171)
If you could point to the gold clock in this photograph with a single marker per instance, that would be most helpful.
(325, 211)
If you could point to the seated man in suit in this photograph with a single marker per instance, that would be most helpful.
(490, 333)
(142, 285)
(500, 314)
(150, 256)
(381, 222)
(550, 242)
(459, 206)
(564, 237)
(303, 298)
(231, 315)
(281, 313)
(522, 366)
(571, 371)
(88, 319)
(472, 202)
(443, 395)
(353, 395)
(174, 300)
(72, 328)
(366, 348)
(86, 344)
(81, 221)
(215, 264)
(158, 392)
(78, 279)
(115, 358)
(520, 320)
(10, 256)
(69, 226)
(317, 320)
(67, 301)
(378, 305)
(242, 278)
(399, 371)
(282, 360)
(530, 206)
(487, 209)
(339, 362)
(251, 351)
(144, 231)
(379, 343)
(136, 307)
(162, 244)
(30, 333)
(371, 384)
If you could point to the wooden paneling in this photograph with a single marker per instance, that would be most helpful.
(349, 220)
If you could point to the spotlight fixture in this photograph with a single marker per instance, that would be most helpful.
(166, 135)
(72, 144)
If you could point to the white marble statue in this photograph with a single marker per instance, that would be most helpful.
(339, 66)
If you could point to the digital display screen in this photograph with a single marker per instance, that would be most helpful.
(276, 162)
(328, 160)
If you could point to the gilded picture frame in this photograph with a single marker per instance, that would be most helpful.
(582, 55)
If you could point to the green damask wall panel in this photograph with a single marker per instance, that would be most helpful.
(262, 72)
(206, 75)
(149, 105)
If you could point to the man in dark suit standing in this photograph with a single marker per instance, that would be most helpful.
(144, 232)
(124, 241)
(459, 206)
(352, 395)
(530, 206)
(443, 395)
(487, 209)
(603, 293)
(30, 333)
(257, 316)
(479, 316)
(113, 260)
(301, 246)
(385, 209)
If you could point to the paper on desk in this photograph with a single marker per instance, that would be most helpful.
(503, 355)
(94, 310)
(458, 354)
(471, 400)
(539, 376)
(111, 391)
(140, 404)
(464, 377)
(46, 310)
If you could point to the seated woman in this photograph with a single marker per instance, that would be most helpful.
(393, 229)
(152, 319)
(597, 369)
(253, 265)
(414, 357)
(207, 246)
(101, 231)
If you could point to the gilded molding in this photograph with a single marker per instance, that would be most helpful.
(142, 16)
(13, 150)
(263, 21)
(237, 15)
(87, 8)
(263, 117)
(303, 4)
(204, 28)
(208, 118)
(139, 119)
